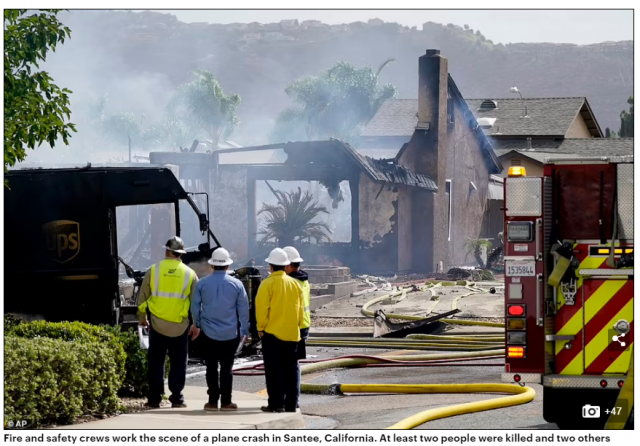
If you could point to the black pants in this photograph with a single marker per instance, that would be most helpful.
(281, 372)
(223, 353)
(177, 347)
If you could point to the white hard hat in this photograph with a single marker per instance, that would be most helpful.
(293, 254)
(278, 257)
(220, 257)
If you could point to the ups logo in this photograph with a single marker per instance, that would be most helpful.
(63, 239)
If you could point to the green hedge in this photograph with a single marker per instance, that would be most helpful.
(75, 331)
(54, 381)
(125, 347)
(136, 379)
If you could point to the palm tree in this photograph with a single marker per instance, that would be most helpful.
(204, 106)
(336, 104)
(496, 253)
(474, 246)
(291, 220)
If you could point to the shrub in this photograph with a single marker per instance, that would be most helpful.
(75, 331)
(10, 322)
(54, 381)
(131, 359)
(135, 381)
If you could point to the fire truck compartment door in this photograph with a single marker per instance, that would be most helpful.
(607, 305)
(584, 195)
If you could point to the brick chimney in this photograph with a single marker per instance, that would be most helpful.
(428, 156)
(432, 115)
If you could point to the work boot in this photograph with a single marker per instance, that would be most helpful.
(271, 409)
(210, 407)
(178, 405)
(230, 406)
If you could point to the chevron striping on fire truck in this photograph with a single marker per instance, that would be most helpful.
(569, 306)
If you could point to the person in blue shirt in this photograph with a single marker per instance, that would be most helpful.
(218, 301)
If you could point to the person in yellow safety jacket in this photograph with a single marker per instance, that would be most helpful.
(279, 317)
(293, 270)
(163, 307)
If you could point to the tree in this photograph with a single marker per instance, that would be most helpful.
(121, 126)
(291, 220)
(203, 106)
(474, 246)
(169, 131)
(335, 104)
(35, 109)
(626, 121)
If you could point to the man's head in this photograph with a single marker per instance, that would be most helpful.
(277, 260)
(294, 258)
(220, 260)
(174, 248)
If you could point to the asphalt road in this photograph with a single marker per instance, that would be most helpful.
(364, 411)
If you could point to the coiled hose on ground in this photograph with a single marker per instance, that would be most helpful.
(460, 349)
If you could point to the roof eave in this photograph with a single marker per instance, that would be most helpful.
(593, 117)
(492, 161)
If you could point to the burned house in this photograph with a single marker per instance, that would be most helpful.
(448, 146)
(374, 188)
(412, 212)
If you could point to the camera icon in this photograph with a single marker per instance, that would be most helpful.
(589, 411)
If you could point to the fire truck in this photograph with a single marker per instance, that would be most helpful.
(569, 287)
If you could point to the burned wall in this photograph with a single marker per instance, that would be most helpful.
(378, 212)
(405, 223)
(469, 176)
(229, 202)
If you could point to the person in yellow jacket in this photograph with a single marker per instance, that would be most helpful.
(293, 270)
(279, 317)
(163, 307)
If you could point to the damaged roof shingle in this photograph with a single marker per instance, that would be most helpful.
(379, 170)
(387, 172)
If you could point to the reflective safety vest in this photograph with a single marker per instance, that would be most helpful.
(306, 298)
(171, 282)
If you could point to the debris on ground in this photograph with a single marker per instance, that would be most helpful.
(341, 322)
(379, 283)
(458, 273)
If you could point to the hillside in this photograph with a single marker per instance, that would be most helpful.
(157, 52)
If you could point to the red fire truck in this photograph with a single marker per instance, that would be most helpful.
(569, 287)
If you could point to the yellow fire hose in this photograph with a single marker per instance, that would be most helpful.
(520, 394)
(476, 346)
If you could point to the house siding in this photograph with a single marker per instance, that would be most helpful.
(578, 129)
(465, 164)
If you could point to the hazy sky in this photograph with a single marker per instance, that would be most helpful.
(501, 26)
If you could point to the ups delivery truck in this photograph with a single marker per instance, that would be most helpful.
(60, 231)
